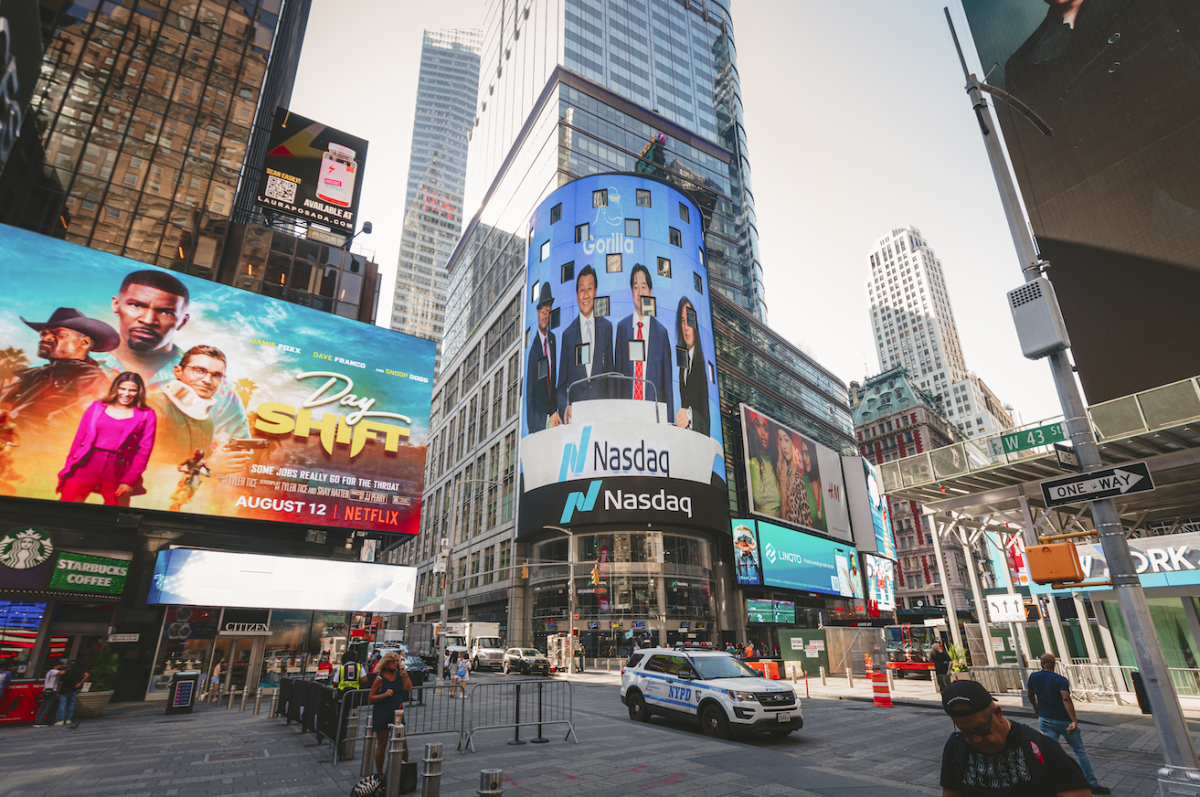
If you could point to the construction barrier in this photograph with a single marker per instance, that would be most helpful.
(883, 696)
(768, 668)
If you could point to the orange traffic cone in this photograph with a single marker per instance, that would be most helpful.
(867, 662)
(883, 696)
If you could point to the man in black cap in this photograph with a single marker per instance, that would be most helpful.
(990, 756)
(70, 380)
(541, 402)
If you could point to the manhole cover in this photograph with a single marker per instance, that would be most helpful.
(213, 758)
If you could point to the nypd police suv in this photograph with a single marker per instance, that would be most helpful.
(723, 693)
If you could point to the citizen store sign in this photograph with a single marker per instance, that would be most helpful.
(246, 622)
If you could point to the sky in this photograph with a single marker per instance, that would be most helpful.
(857, 122)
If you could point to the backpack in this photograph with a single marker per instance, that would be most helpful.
(370, 786)
(1030, 749)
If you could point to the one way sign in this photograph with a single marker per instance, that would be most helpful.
(1131, 478)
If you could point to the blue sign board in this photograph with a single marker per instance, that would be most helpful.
(795, 560)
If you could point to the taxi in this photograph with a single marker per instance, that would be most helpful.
(710, 686)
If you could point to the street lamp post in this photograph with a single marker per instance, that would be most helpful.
(1173, 732)
(570, 596)
(447, 550)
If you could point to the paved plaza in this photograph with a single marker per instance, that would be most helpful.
(847, 748)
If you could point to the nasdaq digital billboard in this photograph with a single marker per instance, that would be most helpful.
(792, 477)
(620, 417)
(312, 171)
(135, 386)
(796, 560)
(1113, 195)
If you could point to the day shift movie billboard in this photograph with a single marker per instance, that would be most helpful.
(620, 419)
(1113, 195)
(279, 412)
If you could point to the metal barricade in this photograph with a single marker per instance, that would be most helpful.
(496, 706)
(1090, 680)
(353, 723)
(1186, 681)
(434, 711)
(997, 680)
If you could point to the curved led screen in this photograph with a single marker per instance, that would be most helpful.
(620, 419)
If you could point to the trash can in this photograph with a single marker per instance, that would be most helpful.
(182, 696)
(1139, 689)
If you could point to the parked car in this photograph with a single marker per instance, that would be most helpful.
(418, 670)
(725, 695)
(525, 661)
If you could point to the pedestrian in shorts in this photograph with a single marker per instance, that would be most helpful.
(461, 676)
(50, 695)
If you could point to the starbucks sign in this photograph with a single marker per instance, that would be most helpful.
(26, 557)
(98, 575)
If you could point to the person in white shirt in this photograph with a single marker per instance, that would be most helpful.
(49, 695)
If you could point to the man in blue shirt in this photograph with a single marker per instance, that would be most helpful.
(1050, 694)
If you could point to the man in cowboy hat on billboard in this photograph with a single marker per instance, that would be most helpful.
(70, 379)
(541, 403)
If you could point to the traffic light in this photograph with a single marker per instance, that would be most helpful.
(524, 571)
(1033, 612)
(595, 575)
(575, 632)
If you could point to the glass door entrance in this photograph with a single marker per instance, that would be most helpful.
(233, 660)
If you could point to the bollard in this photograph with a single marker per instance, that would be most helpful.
(230, 705)
(257, 701)
(397, 745)
(274, 701)
(245, 694)
(368, 758)
(491, 782)
(849, 676)
(517, 726)
(891, 679)
(822, 669)
(793, 675)
(431, 777)
(540, 739)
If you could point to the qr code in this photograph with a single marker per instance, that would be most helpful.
(278, 188)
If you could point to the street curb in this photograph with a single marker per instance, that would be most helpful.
(938, 706)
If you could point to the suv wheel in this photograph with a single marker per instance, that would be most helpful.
(713, 721)
(638, 711)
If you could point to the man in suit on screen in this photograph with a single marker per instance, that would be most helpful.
(656, 368)
(541, 404)
(595, 336)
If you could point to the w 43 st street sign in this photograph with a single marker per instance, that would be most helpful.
(1131, 478)
(1027, 438)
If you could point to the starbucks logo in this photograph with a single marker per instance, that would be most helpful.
(24, 548)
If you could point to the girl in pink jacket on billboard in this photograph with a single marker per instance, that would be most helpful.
(112, 446)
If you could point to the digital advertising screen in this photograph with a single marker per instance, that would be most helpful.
(1113, 196)
(745, 546)
(312, 171)
(130, 385)
(795, 560)
(620, 416)
(220, 578)
(759, 611)
(881, 581)
(869, 517)
(793, 478)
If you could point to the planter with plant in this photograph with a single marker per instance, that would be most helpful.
(102, 675)
(958, 659)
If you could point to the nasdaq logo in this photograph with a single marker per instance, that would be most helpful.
(575, 456)
(582, 502)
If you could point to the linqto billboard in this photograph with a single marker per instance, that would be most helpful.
(130, 385)
(793, 478)
(620, 420)
(1114, 194)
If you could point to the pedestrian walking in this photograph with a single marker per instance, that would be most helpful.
(462, 676)
(50, 695)
(389, 690)
(990, 755)
(452, 668)
(214, 692)
(347, 674)
(941, 665)
(1050, 694)
(69, 684)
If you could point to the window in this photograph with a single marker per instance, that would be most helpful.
(633, 228)
(510, 454)
(664, 267)
(556, 213)
(510, 399)
(643, 198)
(676, 237)
(612, 263)
(699, 283)
(489, 564)
(582, 234)
(684, 213)
(568, 272)
(505, 558)
(600, 198)
(545, 251)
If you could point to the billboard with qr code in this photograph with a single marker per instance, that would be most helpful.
(312, 171)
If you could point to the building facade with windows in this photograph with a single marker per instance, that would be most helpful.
(895, 418)
(914, 328)
(446, 95)
(567, 91)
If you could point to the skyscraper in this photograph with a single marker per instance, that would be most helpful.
(567, 90)
(914, 328)
(146, 111)
(446, 94)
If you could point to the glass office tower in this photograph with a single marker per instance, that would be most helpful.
(570, 88)
(446, 92)
(145, 111)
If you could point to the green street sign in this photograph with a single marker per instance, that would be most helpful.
(1026, 439)
(98, 575)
